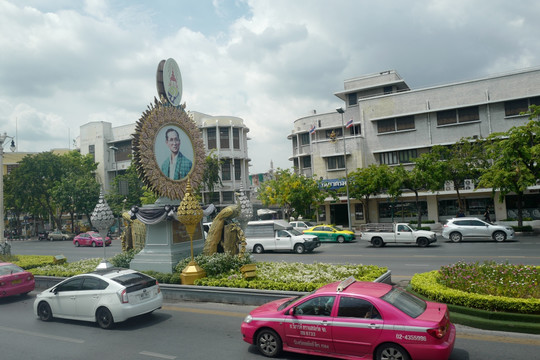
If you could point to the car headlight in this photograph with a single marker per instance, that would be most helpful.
(248, 319)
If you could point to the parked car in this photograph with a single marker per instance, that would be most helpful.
(42, 235)
(106, 296)
(353, 319)
(330, 233)
(90, 238)
(278, 235)
(469, 227)
(59, 235)
(301, 225)
(380, 234)
(14, 280)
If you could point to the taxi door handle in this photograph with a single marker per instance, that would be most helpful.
(374, 326)
(324, 322)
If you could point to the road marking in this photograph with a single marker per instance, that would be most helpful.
(499, 339)
(161, 356)
(204, 311)
(52, 337)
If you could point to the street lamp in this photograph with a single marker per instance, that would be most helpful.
(341, 111)
(4, 249)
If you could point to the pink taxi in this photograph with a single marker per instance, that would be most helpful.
(14, 280)
(353, 320)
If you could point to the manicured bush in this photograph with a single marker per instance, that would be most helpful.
(428, 285)
(29, 261)
(218, 263)
(525, 228)
(124, 258)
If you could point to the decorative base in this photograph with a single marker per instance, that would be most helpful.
(191, 273)
(104, 264)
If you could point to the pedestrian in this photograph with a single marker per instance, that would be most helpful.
(460, 213)
(487, 218)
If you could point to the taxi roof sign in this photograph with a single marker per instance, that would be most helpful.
(345, 283)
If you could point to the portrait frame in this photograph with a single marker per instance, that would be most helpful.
(149, 137)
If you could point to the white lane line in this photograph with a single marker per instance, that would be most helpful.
(161, 356)
(52, 337)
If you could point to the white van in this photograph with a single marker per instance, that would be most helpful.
(278, 235)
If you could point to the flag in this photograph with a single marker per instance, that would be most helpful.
(349, 123)
(312, 130)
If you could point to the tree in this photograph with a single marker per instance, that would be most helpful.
(463, 160)
(77, 191)
(135, 191)
(295, 193)
(515, 157)
(32, 183)
(211, 173)
(369, 181)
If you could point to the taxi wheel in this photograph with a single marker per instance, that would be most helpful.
(77, 243)
(391, 352)
(104, 318)
(269, 343)
(340, 239)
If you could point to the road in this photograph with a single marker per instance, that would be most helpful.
(403, 260)
(185, 330)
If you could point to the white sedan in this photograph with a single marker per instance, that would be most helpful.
(105, 296)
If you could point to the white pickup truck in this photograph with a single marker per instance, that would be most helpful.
(399, 233)
(275, 235)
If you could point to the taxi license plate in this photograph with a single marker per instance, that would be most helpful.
(145, 295)
(14, 282)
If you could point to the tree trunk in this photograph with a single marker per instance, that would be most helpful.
(418, 210)
(520, 208)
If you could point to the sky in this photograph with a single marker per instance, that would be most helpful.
(64, 63)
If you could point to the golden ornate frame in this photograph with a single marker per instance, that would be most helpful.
(157, 116)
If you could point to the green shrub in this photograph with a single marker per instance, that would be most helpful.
(423, 222)
(29, 261)
(218, 263)
(68, 269)
(124, 258)
(427, 284)
(526, 228)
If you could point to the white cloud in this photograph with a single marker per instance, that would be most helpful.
(66, 63)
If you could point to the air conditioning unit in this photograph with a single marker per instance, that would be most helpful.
(448, 185)
(469, 184)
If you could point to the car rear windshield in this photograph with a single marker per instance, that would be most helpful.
(135, 281)
(406, 302)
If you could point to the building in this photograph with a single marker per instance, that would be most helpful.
(225, 135)
(392, 124)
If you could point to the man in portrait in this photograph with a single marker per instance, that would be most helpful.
(176, 166)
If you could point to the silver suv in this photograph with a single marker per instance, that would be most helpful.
(469, 227)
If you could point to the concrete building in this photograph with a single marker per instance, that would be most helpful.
(392, 124)
(225, 135)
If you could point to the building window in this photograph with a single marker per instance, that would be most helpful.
(92, 151)
(228, 196)
(359, 211)
(211, 135)
(295, 163)
(226, 169)
(516, 107)
(454, 116)
(306, 162)
(397, 157)
(468, 114)
(124, 151)
(387, 90)
(237, 169)
(304, 139)
(384, 126)
(355, 130)
(322, 214)
(224, 138)
(353, 99)
(294, 142)
(446, 117)
(335, 162)
(236, 138)
(405, 123)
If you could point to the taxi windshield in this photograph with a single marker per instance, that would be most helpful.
(291, 300)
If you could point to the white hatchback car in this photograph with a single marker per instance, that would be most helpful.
(469, 227)
(105, 296)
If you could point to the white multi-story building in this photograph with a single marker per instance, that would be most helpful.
(392, 124)
(225, 135)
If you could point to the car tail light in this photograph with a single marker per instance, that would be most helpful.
(30, 277)
(158, 288)
(2, 283)
(438, 332)
(123, 296)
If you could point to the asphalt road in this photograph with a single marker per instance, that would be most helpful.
(185, 330)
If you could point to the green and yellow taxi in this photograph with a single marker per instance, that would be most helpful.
(330, 233)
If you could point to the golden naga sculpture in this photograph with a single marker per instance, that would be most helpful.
(226, 234)
(134, 234)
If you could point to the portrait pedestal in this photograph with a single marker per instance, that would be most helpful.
(167, 242)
